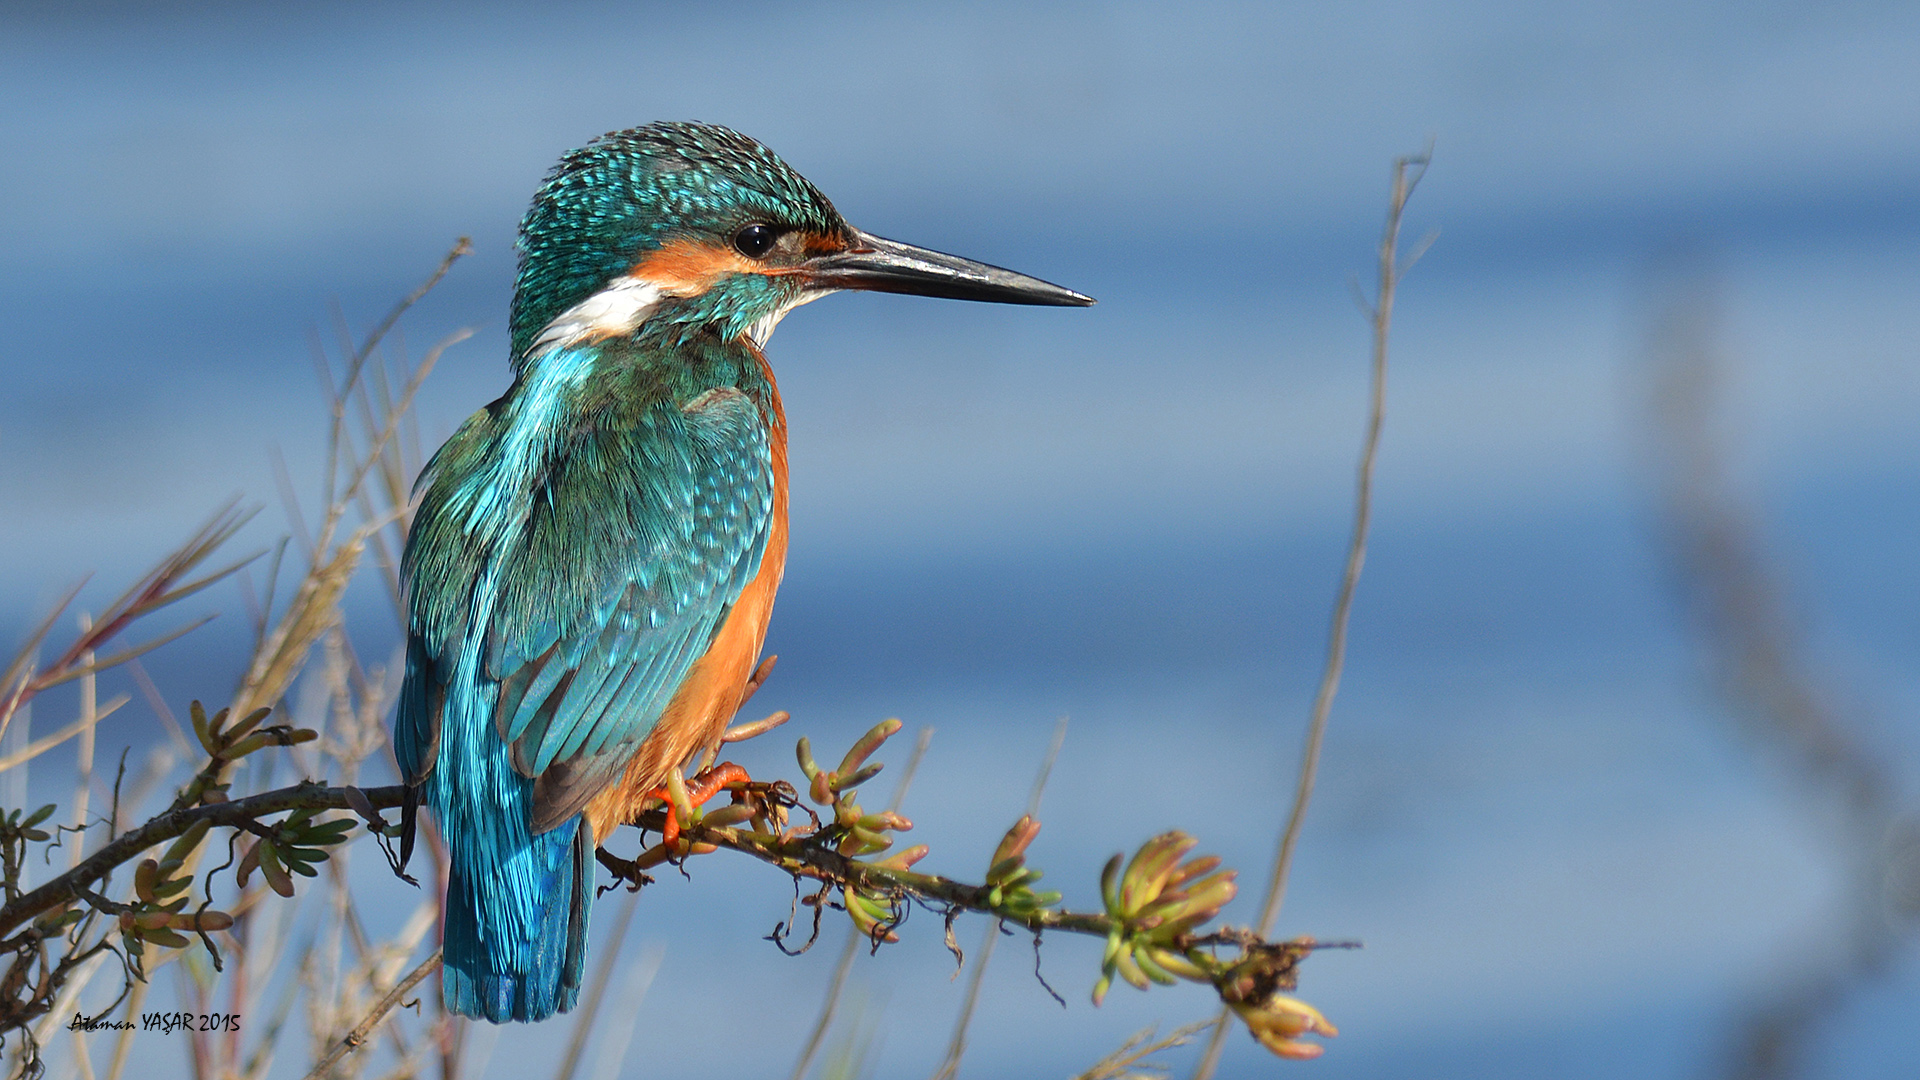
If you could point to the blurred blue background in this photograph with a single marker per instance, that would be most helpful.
(1562, 857)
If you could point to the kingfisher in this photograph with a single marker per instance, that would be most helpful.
(593, 561)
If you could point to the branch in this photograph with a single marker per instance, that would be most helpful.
(1154, 905)
(808, 856)
(1154, 909)
(799, 853)
(239, 813)
(1744, 610)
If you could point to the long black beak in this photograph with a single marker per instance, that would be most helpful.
(881, 265)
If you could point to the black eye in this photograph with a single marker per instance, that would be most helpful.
(755, 240)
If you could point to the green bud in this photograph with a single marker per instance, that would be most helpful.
(1151, 969)
(848, 783)
(247, 723)
(1110, 885)
(163, 936)
(201, 729)
(1123, 962)
(182, 847)
(867, 744)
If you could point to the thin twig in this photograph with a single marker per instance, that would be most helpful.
(1744, 610)
(1407, 172)
(361, 1032)
(1390, 271)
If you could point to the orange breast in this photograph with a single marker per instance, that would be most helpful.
(711, 692)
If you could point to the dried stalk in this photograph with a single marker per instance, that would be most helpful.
(1129, 1060)
(359, 1035)
(1407, 172)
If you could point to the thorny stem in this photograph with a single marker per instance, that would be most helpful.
(1407, 172)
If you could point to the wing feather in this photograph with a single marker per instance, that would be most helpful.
(684, 507)
(592, 592)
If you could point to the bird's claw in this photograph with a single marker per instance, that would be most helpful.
(702, 787)
(625, 872)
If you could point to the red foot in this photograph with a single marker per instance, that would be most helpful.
(700, 788)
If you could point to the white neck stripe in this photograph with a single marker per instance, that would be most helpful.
(618, 309)
(627, 302)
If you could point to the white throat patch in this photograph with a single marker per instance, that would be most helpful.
(627, 302)
(762, 329)
(618, 309)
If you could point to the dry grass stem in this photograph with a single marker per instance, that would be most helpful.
(1407, 173)
(1129, 1060)
(83, 757)
(165, 584)
(84, 724)
(588, 1012)
(358, 1036)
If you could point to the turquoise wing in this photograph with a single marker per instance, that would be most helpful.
(636, 543)
(634, 556)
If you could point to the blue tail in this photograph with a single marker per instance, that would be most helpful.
(529, 968)
(515, 938)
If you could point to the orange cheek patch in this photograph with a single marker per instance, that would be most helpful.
(689, 267)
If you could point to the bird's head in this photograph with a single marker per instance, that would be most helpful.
(696, 225)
